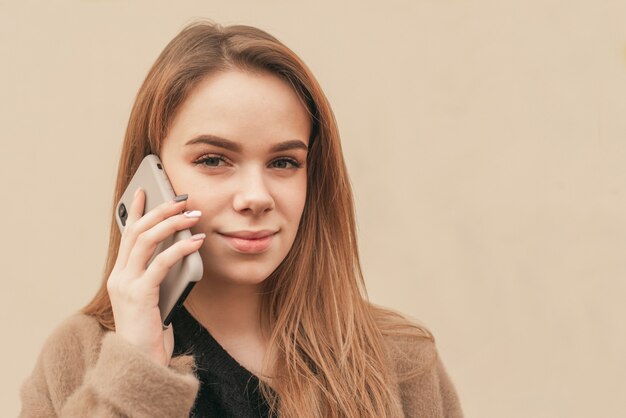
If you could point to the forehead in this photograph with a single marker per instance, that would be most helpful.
(252, 108)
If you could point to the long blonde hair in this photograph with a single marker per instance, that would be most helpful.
(327, 340)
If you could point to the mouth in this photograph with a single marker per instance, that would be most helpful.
(249, 242)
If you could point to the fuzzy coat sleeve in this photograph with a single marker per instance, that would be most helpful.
(422, 383)
(85, 371)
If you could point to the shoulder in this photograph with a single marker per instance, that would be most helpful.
(411, 352)
(78, 333)
(71, 348)
(410, 345)
(62, 362)
(77, 326)
(421, 380)
(89, 370)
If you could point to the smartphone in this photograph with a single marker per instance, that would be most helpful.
(182, 277)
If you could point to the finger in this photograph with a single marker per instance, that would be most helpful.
(139, 223)
(136, 207)
(147, 241)
(134, 213)
(168, 340)
(162, 263)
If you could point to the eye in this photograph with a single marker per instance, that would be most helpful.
(215, 161)
(284, 163)
(210, 160)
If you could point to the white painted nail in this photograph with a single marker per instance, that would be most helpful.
(198, 237)
(192, 214)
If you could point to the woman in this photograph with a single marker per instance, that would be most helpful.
(279, 323)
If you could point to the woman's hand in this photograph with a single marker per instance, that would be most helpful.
(134, 288)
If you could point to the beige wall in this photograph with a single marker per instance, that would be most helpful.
(486, 142)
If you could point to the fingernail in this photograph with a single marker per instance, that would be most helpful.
(192, 214)
(137, 192)
(198, 237)
(181, 197)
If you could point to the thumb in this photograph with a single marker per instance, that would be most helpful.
(168, 341)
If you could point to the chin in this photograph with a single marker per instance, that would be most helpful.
(244, 273)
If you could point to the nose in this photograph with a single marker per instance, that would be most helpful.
(253, 195)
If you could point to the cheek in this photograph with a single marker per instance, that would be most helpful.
(209, 200)
(293, 200)
(180, 180)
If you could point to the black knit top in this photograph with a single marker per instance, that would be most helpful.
(227, 389)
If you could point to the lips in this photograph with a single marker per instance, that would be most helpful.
(249, 242)
(250, 234)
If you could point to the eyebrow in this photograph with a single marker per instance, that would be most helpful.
(235, 147)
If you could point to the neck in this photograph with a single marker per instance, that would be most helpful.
(229, 311)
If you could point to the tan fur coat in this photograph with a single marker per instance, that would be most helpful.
(84, 371)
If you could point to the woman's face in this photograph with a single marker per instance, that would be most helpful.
(238, 148)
